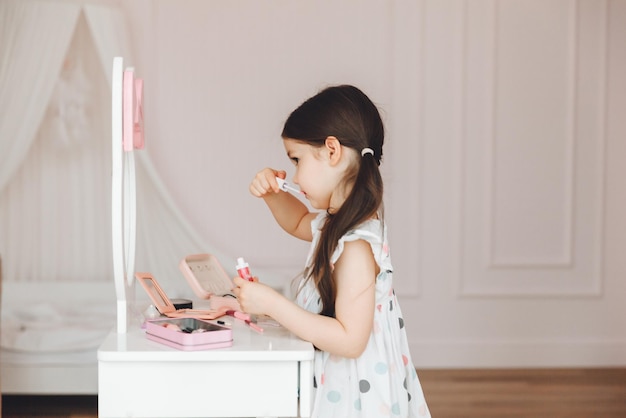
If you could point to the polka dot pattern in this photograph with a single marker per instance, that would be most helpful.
(364, 386)
(382, 382)
(334, 396)
(381, 368)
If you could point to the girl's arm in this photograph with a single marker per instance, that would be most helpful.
(290, 213)
(345, 335)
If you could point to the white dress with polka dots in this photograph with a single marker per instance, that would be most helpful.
(382, 382)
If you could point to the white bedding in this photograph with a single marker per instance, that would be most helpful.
(50, 333)
(56, 326)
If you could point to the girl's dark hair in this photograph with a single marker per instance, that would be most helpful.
(346, 113)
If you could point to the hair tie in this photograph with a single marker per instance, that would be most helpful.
(367, 151)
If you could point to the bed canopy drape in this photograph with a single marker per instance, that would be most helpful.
(55, 80)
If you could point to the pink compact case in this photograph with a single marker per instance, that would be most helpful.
(208, 280)
(205, 275)
(165, 306)
(189, 334)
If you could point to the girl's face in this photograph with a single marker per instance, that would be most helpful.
(317, 173)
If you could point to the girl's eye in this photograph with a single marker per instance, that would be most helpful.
(295, 160)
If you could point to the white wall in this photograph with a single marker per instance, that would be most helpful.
(502, 167)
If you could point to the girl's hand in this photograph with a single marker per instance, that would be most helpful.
(254, 297)
(264, 183)
(291, 214)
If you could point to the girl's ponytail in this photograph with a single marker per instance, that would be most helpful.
(363, 202)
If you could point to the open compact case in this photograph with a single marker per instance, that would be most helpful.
(184, 329)
(189, 334)
(208, 280)
(165, 306)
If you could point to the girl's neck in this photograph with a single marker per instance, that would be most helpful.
(339, 196)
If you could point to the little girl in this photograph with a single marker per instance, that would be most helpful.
(346, 305)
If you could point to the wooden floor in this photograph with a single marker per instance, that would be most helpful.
(525, 393)
(552, 393)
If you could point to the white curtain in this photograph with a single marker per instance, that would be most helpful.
(32, 48)
(55, 163)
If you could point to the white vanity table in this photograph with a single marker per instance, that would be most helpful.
(267, 374)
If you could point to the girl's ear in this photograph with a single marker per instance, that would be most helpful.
(333, 147)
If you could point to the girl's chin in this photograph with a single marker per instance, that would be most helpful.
(318, 207)
(313, 203)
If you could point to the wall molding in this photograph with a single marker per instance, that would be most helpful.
(577, 268)
(565, 258)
